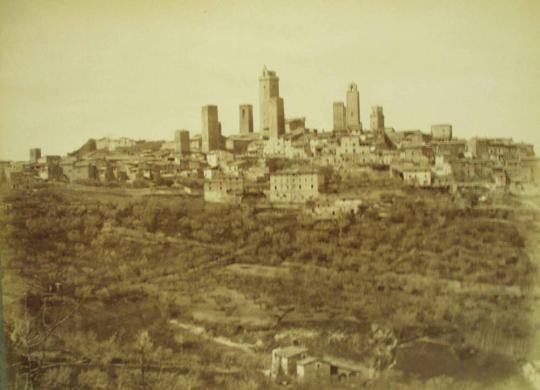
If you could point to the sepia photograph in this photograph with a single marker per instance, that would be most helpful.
(269, 195)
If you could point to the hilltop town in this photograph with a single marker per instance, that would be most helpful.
(289, 257)
(287, 163)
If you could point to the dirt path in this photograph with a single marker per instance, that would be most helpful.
(201, 331)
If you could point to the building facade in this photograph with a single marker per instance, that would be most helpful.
(224, 190)
(441, 132)
(295, 187)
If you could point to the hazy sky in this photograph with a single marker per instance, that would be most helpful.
(71, 70)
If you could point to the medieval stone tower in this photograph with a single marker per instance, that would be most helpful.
(211, 129)
(377, 118)
(272, 113)
(353, 108)
(340, 116)
(246, 119)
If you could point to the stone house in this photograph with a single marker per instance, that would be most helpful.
(295, 362)
(453, 148)
(295, 186)
(350, 146)
(415, 175)
(80, 170)
(224, 190)
(312, 369)
(284, 360)
(281, 147)
(418, 154)
(407, 137)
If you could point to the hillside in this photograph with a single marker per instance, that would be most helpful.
(170, 292)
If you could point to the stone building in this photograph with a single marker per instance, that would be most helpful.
(452, 148)
(195, 143)
(284, 360)
(293, 124)
(224, 189)
(238, 144)
(340, 116)
(295, 186)
(181, 141)
(441, 132)
(442, 166)
(280, 147)
(418, 154)
(276, 118)
(312, 369)
(35, 154)
(353, 108)
(477, 148)
(414, 175)
(377, 118)
(272, 112)
(246, 119)
(219, 158)
(503, 151)
(472, 170)
(525, 170)
(295, 362)
(80, 170)
(351, 146)
(49, 167)
(211, 132)
(406, 137)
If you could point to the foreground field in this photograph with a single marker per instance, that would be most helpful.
(145, 291)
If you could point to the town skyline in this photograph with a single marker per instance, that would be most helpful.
(123, 93)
